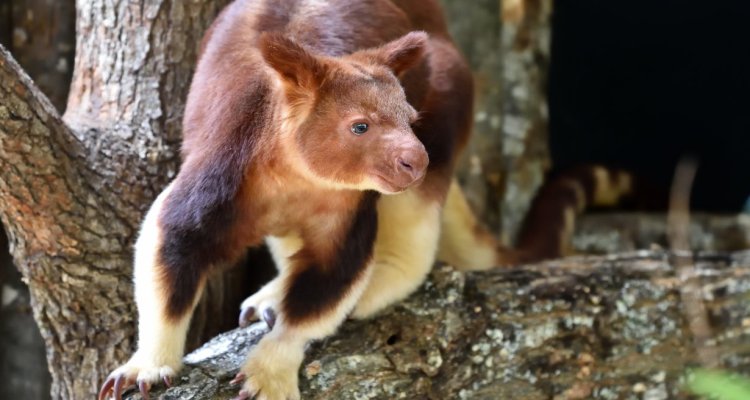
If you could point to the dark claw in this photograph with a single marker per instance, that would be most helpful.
(144, 387)
(244, 395)
(168, 381)
(239, 378)
(120, 382)
(106, 387)
(269, 316)
(246, 316)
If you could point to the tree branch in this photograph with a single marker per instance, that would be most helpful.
(579, 328)
(38, 172)
(67, 239)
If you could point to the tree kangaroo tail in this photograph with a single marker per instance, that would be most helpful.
(465, 243)
(547, 229)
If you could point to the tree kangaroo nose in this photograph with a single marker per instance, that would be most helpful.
(412, 162)
(405, 165)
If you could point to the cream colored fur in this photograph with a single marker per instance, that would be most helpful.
(269, 296)
(460, 242)
(161, 342)
(407, 239)
(272, 366)
(609, 187)
(282, 248)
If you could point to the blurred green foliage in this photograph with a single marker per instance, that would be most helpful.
(719, 385)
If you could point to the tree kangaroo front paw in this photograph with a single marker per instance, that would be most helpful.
(262, 305)
(138, 372)
(271, 370)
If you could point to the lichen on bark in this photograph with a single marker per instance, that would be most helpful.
(525, 46)
(584, 327)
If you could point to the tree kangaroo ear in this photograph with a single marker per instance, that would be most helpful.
(403, 53)
(296, 66)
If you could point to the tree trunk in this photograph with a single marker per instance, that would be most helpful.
(525, 48)
(581, 328)
(74, 191)
(41, 35)
(476, 31)
(507, 44)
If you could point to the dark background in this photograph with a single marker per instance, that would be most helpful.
(638, 84)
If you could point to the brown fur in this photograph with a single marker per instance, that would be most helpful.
(235, 122)
(548, 227)
(268, 148)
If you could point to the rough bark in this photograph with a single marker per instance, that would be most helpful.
(73, 193)
(134, 62)
(525, 49)
(41, 35)
(599, 327)
(507, 43)
(67, 253)
(476, 30)
(612, 232)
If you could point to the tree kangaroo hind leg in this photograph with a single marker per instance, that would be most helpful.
(321, 284)
(408, 233)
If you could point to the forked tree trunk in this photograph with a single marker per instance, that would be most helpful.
(74, 189)
(525, 48)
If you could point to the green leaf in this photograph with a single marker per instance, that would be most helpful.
(719, 385)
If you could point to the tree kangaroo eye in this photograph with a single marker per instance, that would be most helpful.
(359, 128)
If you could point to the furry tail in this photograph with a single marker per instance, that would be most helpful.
(464, 242)
(547, 229)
